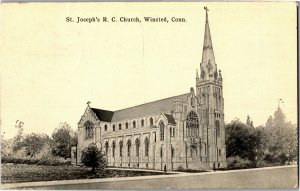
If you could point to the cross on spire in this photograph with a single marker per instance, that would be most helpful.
(206, 9)
(88, 103)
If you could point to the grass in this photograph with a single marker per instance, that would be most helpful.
(15, 173)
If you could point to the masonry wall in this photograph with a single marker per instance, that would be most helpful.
(188, 151)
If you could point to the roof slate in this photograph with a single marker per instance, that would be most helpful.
(170, 118)
(131, 131)
(103, 115)
(151, 108)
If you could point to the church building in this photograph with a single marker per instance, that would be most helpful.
(181, 132)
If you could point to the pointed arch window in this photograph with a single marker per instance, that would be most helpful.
(89, 130)
(106, 148)
(137, 147)
(162, 130)
(126, 125)
(105, 127)
(172, 152)
(146, 146)
(151, 121)
(113, 148)
(121, 148)
(192, 124)
(114, 127)
(142, 122)
(120, 126)
(128, 148)
(133, 124)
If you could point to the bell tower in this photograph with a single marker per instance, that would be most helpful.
(209, 90)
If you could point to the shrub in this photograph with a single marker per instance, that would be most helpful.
(263, 163)
(93, 157)
(180, 169)
(239, 163)
(50, 161)
(53, 161)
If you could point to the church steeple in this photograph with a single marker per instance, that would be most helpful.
(208, 65)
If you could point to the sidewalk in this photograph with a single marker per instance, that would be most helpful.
(144, 170)
(106, 180)
(83, 181)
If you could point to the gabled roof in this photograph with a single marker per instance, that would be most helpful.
(151, 108)
(103, 115)
(170, 118)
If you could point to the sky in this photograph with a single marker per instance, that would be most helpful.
(50, 68)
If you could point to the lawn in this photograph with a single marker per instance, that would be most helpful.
(14, 173)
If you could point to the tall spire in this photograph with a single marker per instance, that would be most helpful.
(208, 65)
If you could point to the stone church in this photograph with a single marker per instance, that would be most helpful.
(184, 131)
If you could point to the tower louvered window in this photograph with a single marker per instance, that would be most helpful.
(218, 129)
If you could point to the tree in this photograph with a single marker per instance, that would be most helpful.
(6, 146)
(270, 122)
(93, 157)
(279, 118)
(280, 139)
(64, 137)
(19, 137)
(249, 121)
(241, 141)
(33, 143)
(275, 144)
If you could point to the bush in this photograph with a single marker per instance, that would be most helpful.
(49, 161)
(180, 169)
(239, 163)
(263, 163)
(53, 161)
(93, 157)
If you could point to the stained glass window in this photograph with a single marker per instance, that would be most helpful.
(192, 124)
(89, 130)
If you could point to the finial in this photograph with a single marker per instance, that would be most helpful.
(197, 75)
(206, 9)
(88, 103)
(280, 100)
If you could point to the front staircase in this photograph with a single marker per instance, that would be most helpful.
(199, 166)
